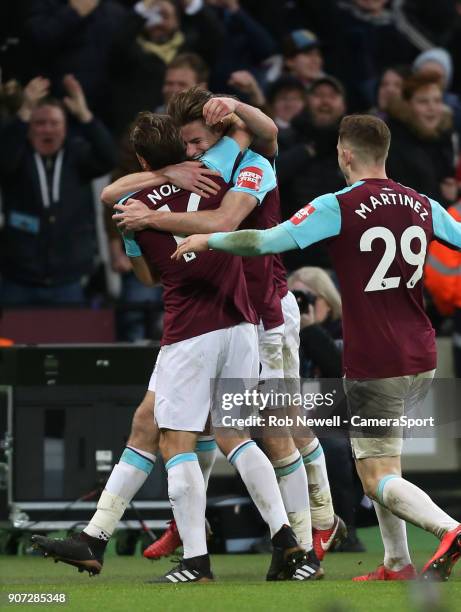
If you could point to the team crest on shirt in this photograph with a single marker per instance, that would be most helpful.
(302, 214)
(250, 178)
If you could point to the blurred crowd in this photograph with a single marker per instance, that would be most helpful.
(74, 74)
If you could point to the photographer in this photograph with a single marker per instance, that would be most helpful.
(320, 307)
(321, 357)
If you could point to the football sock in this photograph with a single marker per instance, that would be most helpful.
(321, 504)
(292, 480)
(186, 490)
(206, 449)
(410, 503)
(394, 535)
(258, 475)
(127, 477)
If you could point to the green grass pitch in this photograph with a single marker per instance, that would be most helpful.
(239, 586)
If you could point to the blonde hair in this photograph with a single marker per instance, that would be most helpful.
(320, 282)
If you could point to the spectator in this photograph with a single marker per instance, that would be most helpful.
(303, 58)
(321, 354)
(48, 242)
(286, 98)
(245, 46)
(311, 166)
(152, 37)
(185, 71)
(389, 88)
(73, 36)
(368, 38)
(422, 152)
(439, 61)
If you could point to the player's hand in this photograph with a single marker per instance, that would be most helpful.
(218, 109)
(132, 216)
(192, 176)
(84, 7)
(308, 318)
(192, 244)
(75, 101)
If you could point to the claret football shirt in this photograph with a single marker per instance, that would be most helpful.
(378, 232)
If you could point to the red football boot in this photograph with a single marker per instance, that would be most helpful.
(382, 573)
(441, 563)
(166, 544)
(324, 539)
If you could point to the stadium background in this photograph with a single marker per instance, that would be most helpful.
(305, 63)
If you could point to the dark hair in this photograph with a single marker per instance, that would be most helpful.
(369, 136)
(187, 106)
(419, 80)
(156, 138)
(194, 62)
(284, 84)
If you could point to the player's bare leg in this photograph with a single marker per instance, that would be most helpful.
(86, 549)
(289, 561)
(382, 482)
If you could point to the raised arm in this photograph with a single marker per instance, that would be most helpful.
(190, 175)
(259, 124)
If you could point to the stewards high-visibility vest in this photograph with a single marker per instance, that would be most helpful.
(442, 273)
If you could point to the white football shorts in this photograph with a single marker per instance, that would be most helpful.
(185, 374)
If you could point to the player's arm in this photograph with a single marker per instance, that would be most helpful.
(261, 126)
(140, 268)
(247, 243)
(236, 205)
(190, 175)
(254, 179)
(317, 221)
(446, 228)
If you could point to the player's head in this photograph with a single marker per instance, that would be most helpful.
(156, 141)
(363, 144)
(47, 127)
(185, 71)
(186, 110)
